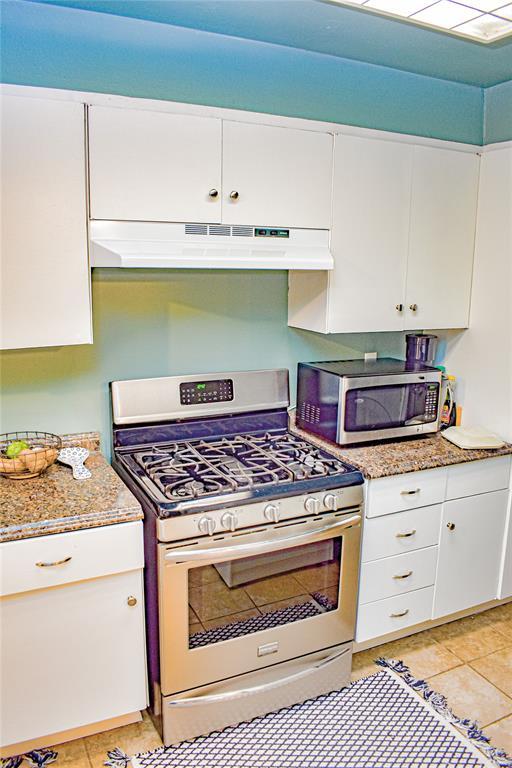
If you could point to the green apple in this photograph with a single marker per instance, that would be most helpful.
(15, 448)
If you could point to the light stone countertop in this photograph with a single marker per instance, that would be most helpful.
(395, 457)
(56, 503)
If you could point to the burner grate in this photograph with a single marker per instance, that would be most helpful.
(195, 469)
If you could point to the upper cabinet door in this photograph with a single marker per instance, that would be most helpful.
(442, 237)
(372, 183)
(275, 176)
(45, 291)
(154, 166)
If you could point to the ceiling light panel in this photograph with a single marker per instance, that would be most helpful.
(487, 27)
(446, 14)
(505, 12)
(398, 7)
(482, 20)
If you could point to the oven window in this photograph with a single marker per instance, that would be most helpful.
(236, 598)
(390, 406)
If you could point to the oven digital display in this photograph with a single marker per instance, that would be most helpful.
(196, 392)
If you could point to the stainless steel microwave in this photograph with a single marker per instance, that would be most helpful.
(356, 401)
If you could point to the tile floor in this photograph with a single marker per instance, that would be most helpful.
(470, 661)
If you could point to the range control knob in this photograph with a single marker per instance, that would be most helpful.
(331, 501)
(229, 521)
(272, 513)
(312, 505)
(206, 525)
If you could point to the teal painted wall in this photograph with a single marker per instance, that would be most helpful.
(168, 322)
(162, 322)
(498, 113)
(66, 48)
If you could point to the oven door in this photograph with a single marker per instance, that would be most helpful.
(247, 600)
(388, 406)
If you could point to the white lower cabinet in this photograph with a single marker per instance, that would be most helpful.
(434, 560)
(74, 654)
(472, 533)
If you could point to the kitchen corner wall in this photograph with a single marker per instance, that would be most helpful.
(498, 113)
(168, 322)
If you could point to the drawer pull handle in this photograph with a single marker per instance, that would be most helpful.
(55, 562)
(412, 492)
(406, 534)
(403, 575)
(398, 615)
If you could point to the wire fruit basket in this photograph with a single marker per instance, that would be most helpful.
(41, 451)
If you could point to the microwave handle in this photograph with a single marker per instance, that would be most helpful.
(232, 552)
(226, 695)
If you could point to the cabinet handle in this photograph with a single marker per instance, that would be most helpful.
(397, 615)
(213, 193)
(406, 534)
(55, 562)
(403, 575)
(410, 493)
(413, 307)
(234, 195)
(450, 526)
(131, 600)
(399, 307)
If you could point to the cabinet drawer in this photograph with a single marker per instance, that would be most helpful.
(401, 532)
(397, 575)
(478, 477)
(394, 613)
(398, 492)
(70, 556)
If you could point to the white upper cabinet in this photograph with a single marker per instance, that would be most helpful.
(45, 291)
(372, 183)
(441, 241)
(154, 166)
(276, 176)
(403, 235)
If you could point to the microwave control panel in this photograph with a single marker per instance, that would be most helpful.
(432, 401)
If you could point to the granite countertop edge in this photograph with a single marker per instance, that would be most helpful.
(389, 458)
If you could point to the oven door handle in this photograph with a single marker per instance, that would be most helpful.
(215, 698)
(232, 552)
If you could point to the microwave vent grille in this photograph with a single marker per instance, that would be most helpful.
(310, 413)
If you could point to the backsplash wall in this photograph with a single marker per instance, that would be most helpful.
(165, 322)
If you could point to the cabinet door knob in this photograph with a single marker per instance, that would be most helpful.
(450, 526)
(213, 193)
(234, 195)
(399, 307)
(132, 600)
(413, 307)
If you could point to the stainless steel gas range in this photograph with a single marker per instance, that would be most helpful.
(252, 540)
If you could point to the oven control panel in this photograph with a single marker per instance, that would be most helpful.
(199, 392)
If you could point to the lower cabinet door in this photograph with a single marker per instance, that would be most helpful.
(71, 656)
(470, 550)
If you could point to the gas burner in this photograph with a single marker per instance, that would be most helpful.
(201, 468)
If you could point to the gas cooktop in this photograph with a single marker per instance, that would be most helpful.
(185, 474)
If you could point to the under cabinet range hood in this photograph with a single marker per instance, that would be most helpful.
(207, 246)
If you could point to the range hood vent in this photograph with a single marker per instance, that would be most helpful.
(207, 246)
